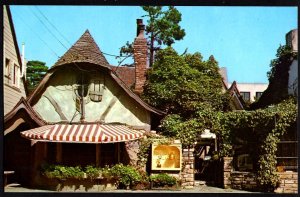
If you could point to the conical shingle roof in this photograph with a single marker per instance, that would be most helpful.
(84, 50)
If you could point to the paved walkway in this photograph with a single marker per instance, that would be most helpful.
(198, 189)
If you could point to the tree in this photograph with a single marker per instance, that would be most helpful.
(162, 29)
(183, 84)
(189, 89)
(36, 70)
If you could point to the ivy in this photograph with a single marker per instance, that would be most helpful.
(263, 126)
(266, 126)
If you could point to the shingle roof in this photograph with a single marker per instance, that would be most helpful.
(84, 50)
(126, 74)
(223, 73)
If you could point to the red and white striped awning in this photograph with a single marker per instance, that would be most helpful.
(83, 133)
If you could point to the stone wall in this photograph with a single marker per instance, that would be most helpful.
(247, 180)
(288, 182)
(243, 181)
(188, 168)
(227, 169)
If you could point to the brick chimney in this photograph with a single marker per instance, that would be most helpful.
(140, 57)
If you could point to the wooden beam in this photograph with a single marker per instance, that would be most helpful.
(14, 126)
(45, 150)
(118, 151)
(56, 106)
(58, 152)
(107, 110)
(98, 152)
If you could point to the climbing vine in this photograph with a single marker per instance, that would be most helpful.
(263, 126)
(267, 126)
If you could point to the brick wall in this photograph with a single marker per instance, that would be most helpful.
(187, 174)
(140, 57)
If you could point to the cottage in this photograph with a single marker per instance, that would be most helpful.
(81, 113)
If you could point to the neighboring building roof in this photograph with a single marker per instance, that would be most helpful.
(126, 74)
(238, 101)
(84, 50)
(223, 73)
(24, 106)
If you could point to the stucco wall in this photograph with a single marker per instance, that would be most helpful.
(293, 78)
(252, 88)
(61, 88)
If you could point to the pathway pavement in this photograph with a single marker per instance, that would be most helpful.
(198, 189)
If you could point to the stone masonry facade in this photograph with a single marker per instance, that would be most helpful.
(247, 180)
(288, 182)
(188, 168)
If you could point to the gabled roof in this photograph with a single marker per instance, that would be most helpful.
(23, 104)
(84, 50)
(238, 101)
(223, 73)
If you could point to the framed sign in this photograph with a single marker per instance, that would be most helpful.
(166, 157)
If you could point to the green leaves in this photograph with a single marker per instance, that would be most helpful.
(181, 84)
(36, 70)
(125, 175)
(62, 172)
(264, 127)
(163, 179)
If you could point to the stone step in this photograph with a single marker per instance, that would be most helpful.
(197, 183)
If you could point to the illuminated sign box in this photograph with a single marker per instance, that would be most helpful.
(166, 157)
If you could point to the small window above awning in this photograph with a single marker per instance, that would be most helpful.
(83, 133)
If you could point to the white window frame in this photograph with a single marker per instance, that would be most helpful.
(16, 75)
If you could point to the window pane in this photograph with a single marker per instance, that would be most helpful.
(245, 95)
(258, 95)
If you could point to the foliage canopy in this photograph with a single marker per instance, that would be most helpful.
(36, 70)
(184, 84)
(162, 28)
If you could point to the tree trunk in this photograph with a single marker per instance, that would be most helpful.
(151, 50)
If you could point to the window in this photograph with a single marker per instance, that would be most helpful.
(287, 151)
(83, 85)
(258, 95)
(7, 68)
(245, 95)
(15, 76)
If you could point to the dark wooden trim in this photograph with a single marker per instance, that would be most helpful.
(56, 106)
(107, 110)
(23, 104)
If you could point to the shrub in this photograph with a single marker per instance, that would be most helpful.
(92, 172)
(162, 180)
(126, 176)
(62, 172)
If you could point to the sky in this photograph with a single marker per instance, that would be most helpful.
(242, 39)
